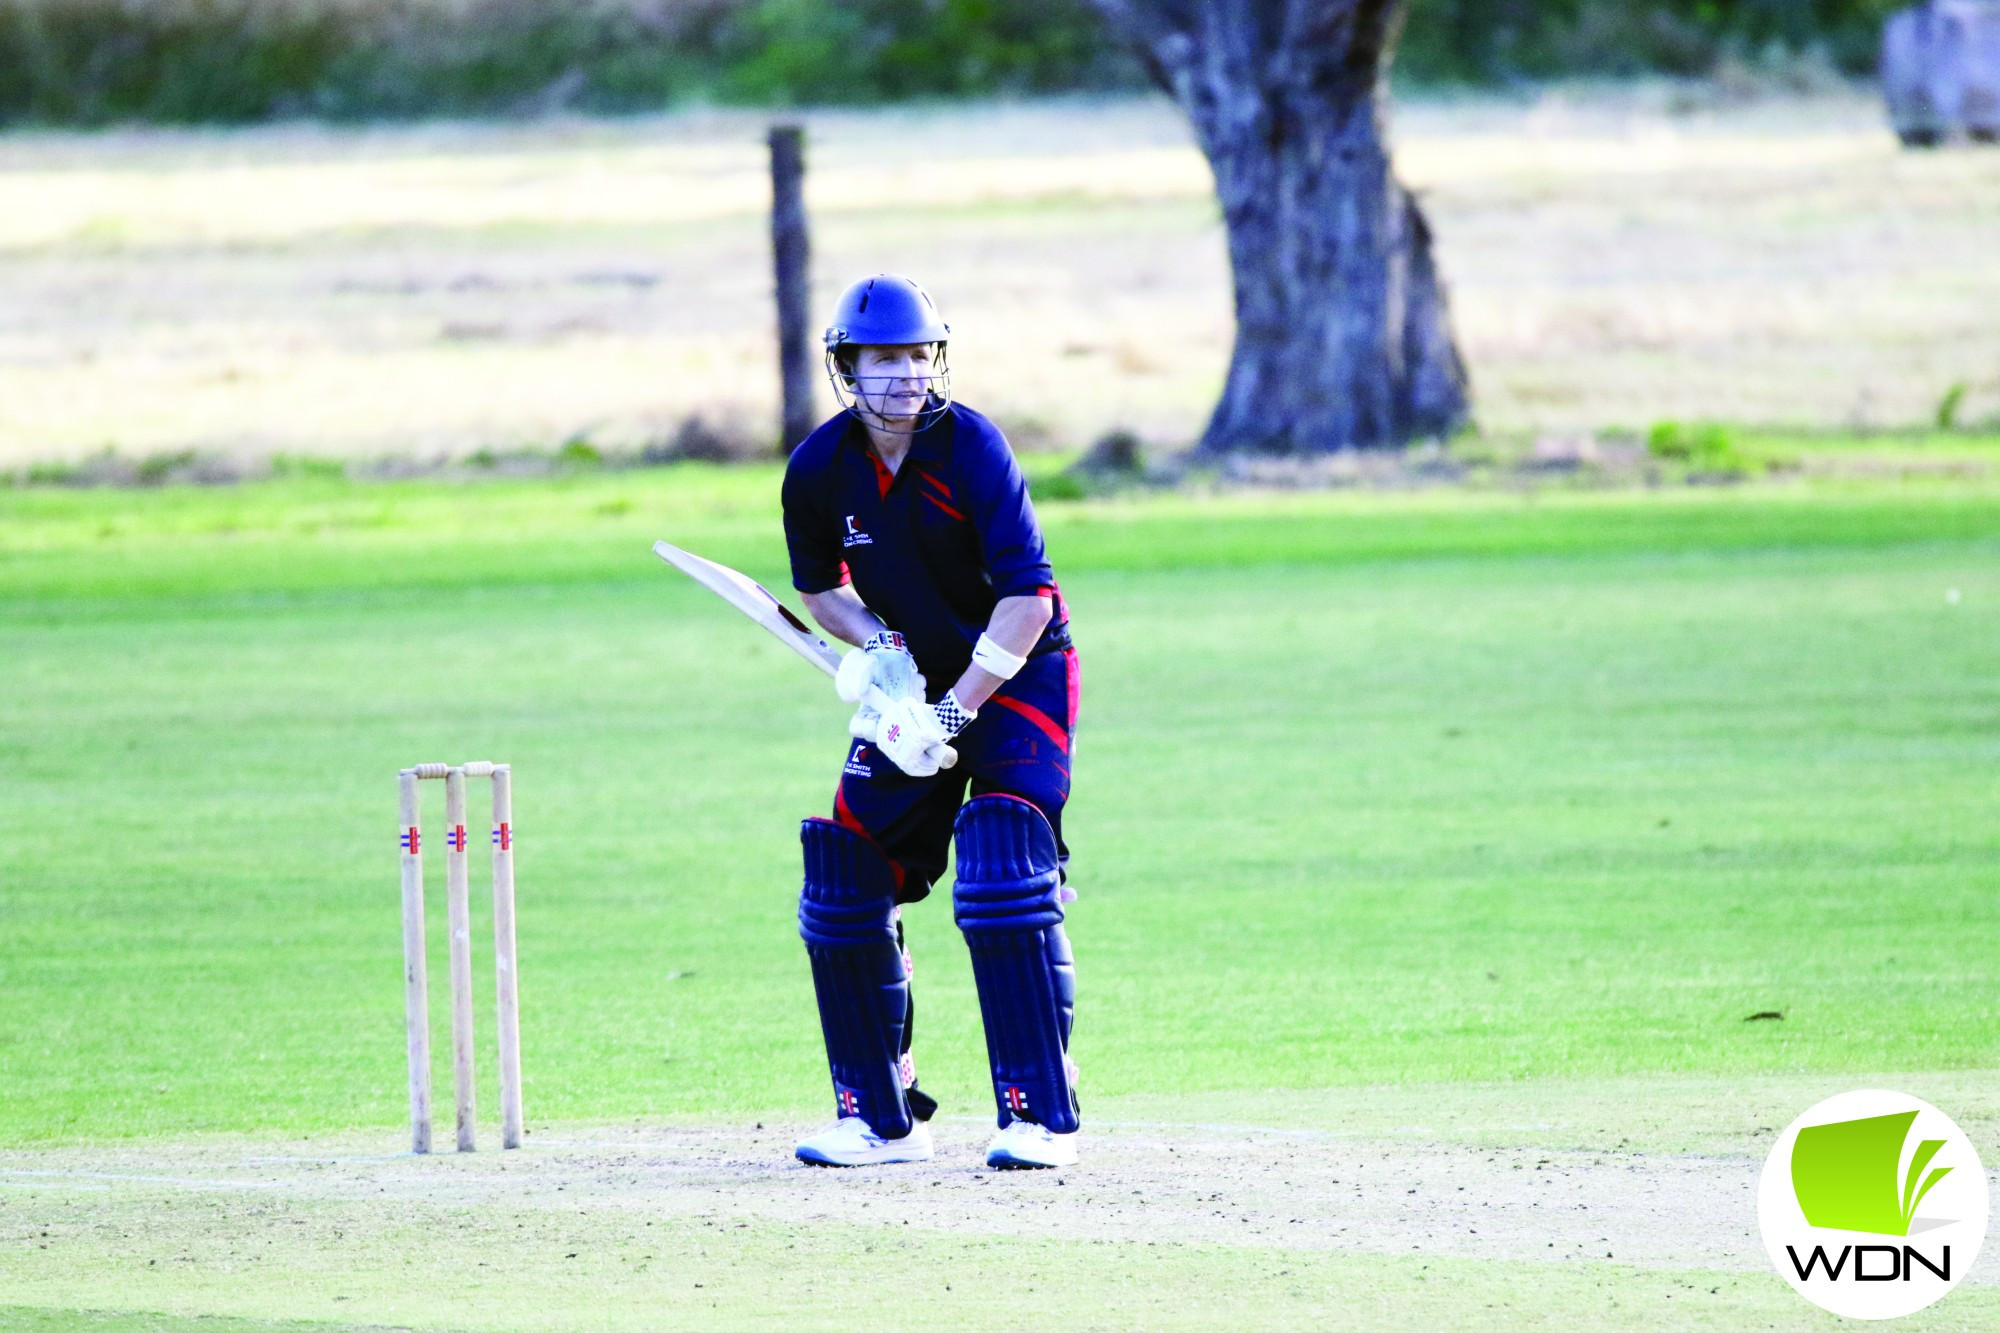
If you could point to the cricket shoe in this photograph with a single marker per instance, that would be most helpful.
(849, 1142)
(1023, 1145)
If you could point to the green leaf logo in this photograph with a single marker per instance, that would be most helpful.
(1845, 1174)
(1838, 1199)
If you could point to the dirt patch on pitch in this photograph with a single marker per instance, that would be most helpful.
(1619, 1204)
(1139, 1182)
(1279, 1188)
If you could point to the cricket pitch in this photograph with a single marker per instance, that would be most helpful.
(1419, 1207)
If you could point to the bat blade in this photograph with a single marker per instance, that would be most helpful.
(755, 601)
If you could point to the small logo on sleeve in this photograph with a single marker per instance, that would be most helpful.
(855, 536)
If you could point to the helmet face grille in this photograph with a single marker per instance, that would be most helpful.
(862, 395)
(887, 310)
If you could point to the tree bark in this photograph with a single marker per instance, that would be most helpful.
(1343, 331)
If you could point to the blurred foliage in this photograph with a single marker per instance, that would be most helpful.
(1948, 406)
(94, 61)
(862, 50)
(1491, 41)
(1704, 448)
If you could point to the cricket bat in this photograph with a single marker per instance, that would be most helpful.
(756, 601)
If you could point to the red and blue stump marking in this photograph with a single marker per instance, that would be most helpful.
(411, 841)
(503, 837)
(454, 838)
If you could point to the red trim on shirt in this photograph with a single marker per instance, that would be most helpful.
(940, 494)
(1058, 613)
(884, 478)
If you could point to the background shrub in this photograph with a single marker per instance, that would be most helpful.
(96, 61)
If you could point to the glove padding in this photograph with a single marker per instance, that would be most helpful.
(866, 725)
(877, 674)
(883, 662)
(914, 736)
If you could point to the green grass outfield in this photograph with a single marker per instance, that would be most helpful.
(1430, 789)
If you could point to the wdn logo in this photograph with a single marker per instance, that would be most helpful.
(1860, 1167)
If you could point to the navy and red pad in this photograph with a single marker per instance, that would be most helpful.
(1007, 902)
(847, 919)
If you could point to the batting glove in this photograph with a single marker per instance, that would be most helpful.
(914, 734)
(883, 662)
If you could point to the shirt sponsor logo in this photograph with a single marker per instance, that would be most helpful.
(855, 536)
(854, 768)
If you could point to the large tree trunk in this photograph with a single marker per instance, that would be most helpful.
(1343, 335)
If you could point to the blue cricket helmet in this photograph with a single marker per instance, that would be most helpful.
(887, 310)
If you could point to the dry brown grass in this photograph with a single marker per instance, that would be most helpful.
(440, 289)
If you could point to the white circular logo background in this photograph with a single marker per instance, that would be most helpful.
(1892, 1184)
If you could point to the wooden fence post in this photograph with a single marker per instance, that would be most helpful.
(791, 251)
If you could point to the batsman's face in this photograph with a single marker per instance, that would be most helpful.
(894, 383)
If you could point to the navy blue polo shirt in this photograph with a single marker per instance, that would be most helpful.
(930, 549)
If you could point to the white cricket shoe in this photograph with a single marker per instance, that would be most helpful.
(849, 1142)
(1022, 1144)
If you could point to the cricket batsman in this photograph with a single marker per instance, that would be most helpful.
(911, 538)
